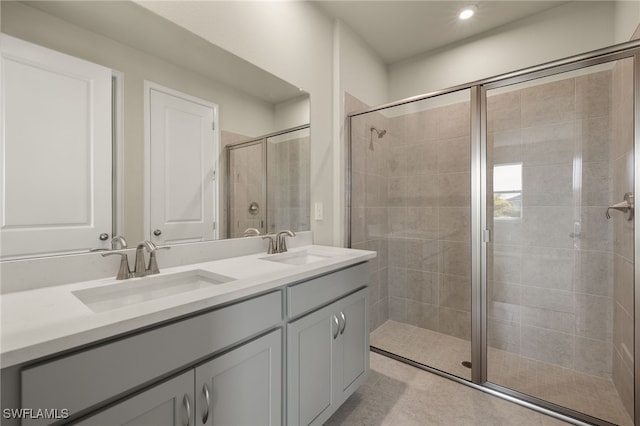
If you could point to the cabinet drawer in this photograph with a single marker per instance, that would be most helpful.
(309, 295)
(84, 379)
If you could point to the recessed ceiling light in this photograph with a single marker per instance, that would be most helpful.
(467, 12)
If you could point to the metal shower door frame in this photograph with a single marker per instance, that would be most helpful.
(480, 235)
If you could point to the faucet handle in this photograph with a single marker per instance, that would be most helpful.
(272, 243)
(124, 271)
(153, 262)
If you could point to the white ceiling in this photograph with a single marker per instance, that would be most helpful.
(397, 30)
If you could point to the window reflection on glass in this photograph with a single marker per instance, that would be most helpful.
(507, 191)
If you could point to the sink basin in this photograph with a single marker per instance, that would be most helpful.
(139, 290)
(297, 258)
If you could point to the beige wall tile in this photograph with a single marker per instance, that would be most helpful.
(593, 94)
(548, 268)
(422, 286)
(504, 111)
(454, 323)
(548, 103)
(595, 136)
(548, 318)
(453, 155)
(454, 224)
(548, 346)
(547, 226)
(594, 317)
(551, 144)
(454, 189)
(454, 120)
(550, 185)
(454, 292)
(594, 272)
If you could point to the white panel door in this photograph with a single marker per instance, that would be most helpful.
(55, 151)
(182, 167)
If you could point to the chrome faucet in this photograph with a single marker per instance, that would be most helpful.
(118, 239)
(251, 232)
(140, 269)
(281, 243)
(124, 271)
(272, 243)
(153, 262)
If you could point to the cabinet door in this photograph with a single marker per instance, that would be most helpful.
(169, 403)
(244, 386)
(310, 366)
(352, 350)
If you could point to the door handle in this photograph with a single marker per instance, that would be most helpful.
(187, 408)
(335, 333)
(207, 402)
(344, 322)
(157, 232)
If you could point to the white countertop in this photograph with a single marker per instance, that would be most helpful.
(42, 322)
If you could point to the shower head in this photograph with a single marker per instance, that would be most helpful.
(380, 133)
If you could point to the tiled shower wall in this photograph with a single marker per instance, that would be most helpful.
(288, 194)
(551, 271)
(369, 213)
(411, 201)
(621, 153)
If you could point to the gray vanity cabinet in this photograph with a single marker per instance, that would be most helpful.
(167, 404)
(242, 387)
(328, 358)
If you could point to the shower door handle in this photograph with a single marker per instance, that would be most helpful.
(625, 206)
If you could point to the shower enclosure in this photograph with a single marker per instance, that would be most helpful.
(267, 182)
(502, 215)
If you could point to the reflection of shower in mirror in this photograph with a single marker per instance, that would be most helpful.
(380, 134)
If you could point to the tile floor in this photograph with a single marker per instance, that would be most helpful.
(397, 394)
(592, 395)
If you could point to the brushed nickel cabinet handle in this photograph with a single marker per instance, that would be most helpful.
(187, 407)
(344, 322)
(335, 320)
(207, 402)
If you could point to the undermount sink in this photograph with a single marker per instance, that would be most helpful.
(297, 258)
(139, 290)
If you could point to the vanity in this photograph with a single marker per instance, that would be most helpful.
(249, 340)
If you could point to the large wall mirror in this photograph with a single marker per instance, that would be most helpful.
(155, 168)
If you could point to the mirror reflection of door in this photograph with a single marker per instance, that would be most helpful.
(181, 179)
(55, 151)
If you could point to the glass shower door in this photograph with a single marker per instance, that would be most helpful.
(411, 202)
(560, 272)
(247, 188)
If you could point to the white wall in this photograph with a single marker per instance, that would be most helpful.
(293, 112)
(627, 17)
(293, 41)
(363, 74)
(563, 31)
(359, 71)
